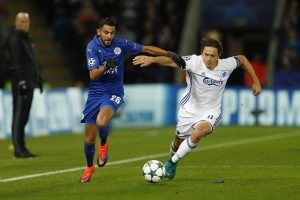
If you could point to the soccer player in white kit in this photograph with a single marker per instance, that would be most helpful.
(200, 105)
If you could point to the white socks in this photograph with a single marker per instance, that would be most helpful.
(185, 147)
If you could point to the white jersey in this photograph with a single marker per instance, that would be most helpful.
(204, 87)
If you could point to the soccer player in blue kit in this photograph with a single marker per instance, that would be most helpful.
(105, 60)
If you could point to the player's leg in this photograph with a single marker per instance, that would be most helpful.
(89, 151)
(181, 133)
(175, 145)
(201, 129)
(89, 143)
(103, 119)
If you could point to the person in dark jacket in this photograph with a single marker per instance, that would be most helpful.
(25, 76)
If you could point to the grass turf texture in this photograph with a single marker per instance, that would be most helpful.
(254, 169)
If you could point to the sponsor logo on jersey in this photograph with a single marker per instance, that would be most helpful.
(209, 81)
(117, 50)
(112, 71)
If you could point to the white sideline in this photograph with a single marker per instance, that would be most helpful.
(215, 146)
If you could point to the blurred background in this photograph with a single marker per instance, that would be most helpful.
(266, 32)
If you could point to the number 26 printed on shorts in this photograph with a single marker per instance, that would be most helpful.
(115, 99)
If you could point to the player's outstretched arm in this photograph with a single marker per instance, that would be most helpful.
(156, 51)
(144, 61)
(256, 88)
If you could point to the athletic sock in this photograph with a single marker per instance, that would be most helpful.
(103, 134)
(89, 151)
(185, 147)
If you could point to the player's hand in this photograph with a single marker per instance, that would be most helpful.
(22, 87)
(256, 89)
(110, 63)
(177, 59)
(142, 60)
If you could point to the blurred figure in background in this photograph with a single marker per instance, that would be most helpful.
(4, 33)
(25, 76)
(260, 68)
(3, 67)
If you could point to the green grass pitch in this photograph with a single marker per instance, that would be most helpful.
(254, 162)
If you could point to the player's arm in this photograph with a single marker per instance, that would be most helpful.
(256, 88)
(144, 61)
(154, 51)
(160, 52)
(98, 72)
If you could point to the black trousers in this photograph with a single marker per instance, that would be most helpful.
(21, 110)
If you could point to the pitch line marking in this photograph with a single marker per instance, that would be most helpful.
(215, 146)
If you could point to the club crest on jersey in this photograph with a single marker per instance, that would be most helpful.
(186, 58)
(224, 74)
(117, 50)
(209, 81)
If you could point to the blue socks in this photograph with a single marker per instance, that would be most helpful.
(103, 134)
(89, 151)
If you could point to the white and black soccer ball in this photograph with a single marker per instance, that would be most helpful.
(154, 171)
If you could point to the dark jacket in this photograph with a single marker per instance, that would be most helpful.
(23, 63)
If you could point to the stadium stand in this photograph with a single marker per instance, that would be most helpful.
(62, 28)
(147, 22)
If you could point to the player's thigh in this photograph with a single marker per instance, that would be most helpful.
(104, 116)
(186, 127)
(109, 106)
(184, 131)
(201, 129)
(91, 110)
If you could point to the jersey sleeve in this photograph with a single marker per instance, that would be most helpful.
(231, 63)
(132, 48)
(191, 62)
(92, 58)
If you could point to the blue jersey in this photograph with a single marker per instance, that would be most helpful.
(111, 82)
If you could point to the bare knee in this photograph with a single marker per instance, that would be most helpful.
(200, 132)
(195, 138)
(90, 134)
(104, 117)
(100, 123)
(90, 140)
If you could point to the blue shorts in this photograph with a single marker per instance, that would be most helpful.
(94, 105)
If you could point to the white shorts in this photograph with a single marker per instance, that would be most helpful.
(185, 126)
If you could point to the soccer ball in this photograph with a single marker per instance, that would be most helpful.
(154, 171)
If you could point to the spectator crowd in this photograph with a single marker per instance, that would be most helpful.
(149, 22)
